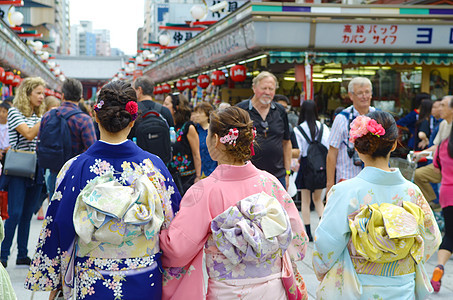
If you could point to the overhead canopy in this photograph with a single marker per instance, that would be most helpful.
(362, 58)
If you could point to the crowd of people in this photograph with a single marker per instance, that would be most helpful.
(150, 195)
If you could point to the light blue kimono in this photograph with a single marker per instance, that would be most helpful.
(340, 277)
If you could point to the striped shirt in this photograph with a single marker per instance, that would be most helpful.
(18, 141)
(339, 138)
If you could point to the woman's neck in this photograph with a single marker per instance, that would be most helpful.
(114, 138)
(379, 163)
(204, 125)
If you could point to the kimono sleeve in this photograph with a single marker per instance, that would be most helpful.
(333, 233)
(187, 233)
(299, 241)
(432, 237)
(55, 242)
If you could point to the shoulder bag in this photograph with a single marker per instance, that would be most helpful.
(20, 163)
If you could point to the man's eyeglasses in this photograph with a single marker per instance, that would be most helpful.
(265, 125)
(361, 94)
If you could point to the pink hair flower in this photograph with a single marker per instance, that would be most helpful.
(375, 128)
(231, 137)
(362, 125)
(132, 108)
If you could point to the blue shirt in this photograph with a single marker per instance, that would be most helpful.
(207, 164)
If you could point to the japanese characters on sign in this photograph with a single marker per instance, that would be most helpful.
(383, 36)
(180, 35)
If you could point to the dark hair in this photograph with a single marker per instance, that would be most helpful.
(309, 113)
(113, 115)
(146, 84)
(234, 117)
(379, 146)
(181, 108)
(425, 110)
(72, 89)
(205, 107)
(418, 99)
(83, 107)
(5, 105)
(279, 97)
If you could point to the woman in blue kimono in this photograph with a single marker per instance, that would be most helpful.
(100, 237)
(377, 230)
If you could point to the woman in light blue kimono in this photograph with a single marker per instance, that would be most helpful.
(100, 237)
(377, 230)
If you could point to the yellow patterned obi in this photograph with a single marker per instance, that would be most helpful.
(116, 221)
(386, 239)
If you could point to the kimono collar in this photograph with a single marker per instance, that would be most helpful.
(234, 173)
(103, 149)
(379, 176)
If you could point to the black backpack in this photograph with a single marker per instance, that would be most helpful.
(153, 133)
(314, 173)
(54, 146)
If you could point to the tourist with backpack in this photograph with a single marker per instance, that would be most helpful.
(186, 152)
(313, 139)
(65, 132)
(342, 160)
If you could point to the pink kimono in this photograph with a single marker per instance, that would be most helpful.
(214, 203)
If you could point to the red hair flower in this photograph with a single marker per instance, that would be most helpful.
(132, 108)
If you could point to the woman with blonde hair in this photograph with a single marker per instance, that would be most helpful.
(24, 119)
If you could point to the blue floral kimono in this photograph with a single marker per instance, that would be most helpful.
(100, 237)
(376, 263)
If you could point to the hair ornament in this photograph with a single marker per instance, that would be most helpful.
(132, 108)
(98, 105)
(231, 137)
(362, 125)
(252, 148)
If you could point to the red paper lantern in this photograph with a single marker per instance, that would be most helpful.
(203, 81)
(58, 95)
(16, 80)
(238, 73)
(158, 90)
(218, 77)
(166, 88)
(47, 92)
(180, 85)
(9, 78)
(2, 74)
(192, 83)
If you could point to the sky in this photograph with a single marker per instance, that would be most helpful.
(121, 17)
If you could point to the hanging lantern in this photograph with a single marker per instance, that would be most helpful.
(9, 77)
(238, 73)
(203, 81)
(16, 18)
(191, 83)
(58, 95)
(166, 88)
(16, 80)
(2, 74)
(47, 92)
(157, 90)
(180, 85)
(164, 39)
(218, 77)
(198, 12)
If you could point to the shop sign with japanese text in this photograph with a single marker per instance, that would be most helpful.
(384, 36)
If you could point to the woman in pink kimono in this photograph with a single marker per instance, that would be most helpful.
(241, 217)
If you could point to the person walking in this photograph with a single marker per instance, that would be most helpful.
(377, 230)
(271, 122)
(186, 150)
(342, 160)
(443, 162)
(241, 217)
(200, 115)
(24, 119)
(310, 189)
(100, 236)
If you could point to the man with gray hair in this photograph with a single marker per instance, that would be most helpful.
(342, 160)
(271, 122)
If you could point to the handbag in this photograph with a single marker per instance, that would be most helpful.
(4, 205)
(20, 163)
(292, 280)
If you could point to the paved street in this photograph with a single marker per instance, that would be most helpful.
(305, 268)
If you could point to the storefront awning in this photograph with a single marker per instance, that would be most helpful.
(362, 58)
